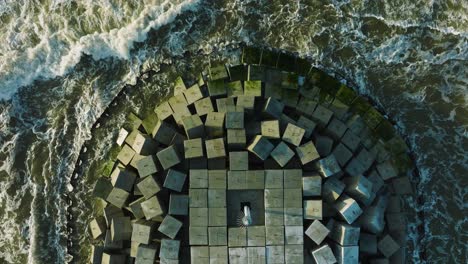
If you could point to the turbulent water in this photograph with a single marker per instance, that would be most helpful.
(63, 62)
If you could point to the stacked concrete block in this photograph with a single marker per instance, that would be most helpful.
(245, 101)
(97, 226)
(110, 212)
(282, 154)
(163, 133)
(175, 180)
(102, 188)
(336, 128)
(355, 167)
(307, 153)
(198, 235)
(256, 255)
(193, 126)
(215, 148)
(170, 226)
(142, 231)
(345, 234)
(294, 235)
(366, 158)
(332, 189)
(274, 198)
(199, 255)
(359, 187)
(273, 108)
(146, 254)
(193, 94)
(293, 134)
(312, 185)
(121, 136)
(329, 167)
(270, 129)
(275, 254)
(218, 254)
(236, 139)
(255, 236)
(317, 232)
(324, 145)
(292, 198)
(253, 88)
(274, 216)
(109, 258)
(178, 204)
(217, 235)
(198, 217)
(342, 154)
(324, 255)
(121, 228)
(214, 124)
(234, 120)
(294, 254)
(179, 86)
(168, 157)
(224, 105)
(96, 254)
(123, 179)
(273, 90)
(351, 140)
(234, 88)
(180, 111)
(163, 111)
(144, 144)
(387, 170)
(274, 235)
(238, 255)
(217, 179)
(306, 106)
(193, 148)
(274, 179)
(146, 166)
(238, 160)
(217, 216)
(218, 72)
(237, 180)
(293, 216)
(348, 208)
(126, 154)
(152, 208)
(322, 115)
(110, 244)
(204, 106)
(216, 88)
(148, 187)
(118, 197)
(313, 209)
(261, 147)
(307, 124)
(255, 179)
(346, 254)
(237, 237)
(169, 249)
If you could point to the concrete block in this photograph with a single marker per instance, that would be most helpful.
(234, 120)
(198, 178)
(253, 88)
(110, 258)
(96, 254)
(366, 158)
(387, 246)
(121, 137)
(102, 188)
(274, 235)
(275, 254)
(282, 154)
(312, 209)
(149, 187)
(216, 88)
(179, 86)
(135, 208)
(198, 235)
(111, 211)
(294, 254)
(292, 178)
(344, 234)
(217, 216)
(274, 179)
(294, 235)
(324, 145)
(379, 261)
(193, 148)
(256, 255)
(198, 216)
(270, 129)
(368, 244)
(144, 144)
(359, 187)
(152, 208)
(216, 198)
(198, 198)
(307, 152)
(324, 255)
(142, 231)
(346, 255)
(218, 255)
(339, 109)
(237, 180)
(236, 139)
(336, 128)
(348, 208)
(355, 168)
(97, 226)
(261, 147)
(351, 140)
(218, 72)
(238, 160)
(293, 216)
(146, 166)
(163, 133)
(214, 124)
(322, 115)
(224, 105)
(255, 179)
(217, 236)
(125, 155)
(292, 198)
(238, 255)
(121, 228)
(273, 90)
(342, 154)
(123, 179)
(169, 249)
(178, 204)
(217, 179)
(306, 106)
(273, 108)
(307, 124)
(329, 167)
(332, 189)
(118, 197)
(274, 198)
(274, 216)
(181, 111)
(215, 148)
(317, 232)
(204, 106)
(247, 102)
(146, 254)
(175, 180)
(387, 170)
(234, 88)
(110, 244)
(293, 134)
(193, 94)
(170, 226)
(402, 185)
(290, 98)
(312, 186)
(193, 126)
(255, 236)
(237, 237)
(168, 157)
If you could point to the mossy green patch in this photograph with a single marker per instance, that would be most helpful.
(133, 122)
(324, 81)
(360, 106)
(150, 122)
(234, 88)
(287, 62)
(216, 88)
(251, 55)
(253, 88)
(269, 58)
(179, 86)
(396, 145)
(346, 94)
(385, 130)
(402, 163)
(238, 73)
(372, 118)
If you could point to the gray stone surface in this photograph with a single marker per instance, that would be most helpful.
(198, 217)
(293, 216)
(218, 255)
(217, 216)
(193, 94)
(274, 198)
(274, 235)
(118, 197)
(198, 235)
(275, 254)
(255, 236)
(256, 255)
(217, 236)
(163, 111)
(198, 198)
(198, 178)
(217, 179)
(274, 179)
(294, 254)
(215, 148)
(237, 237)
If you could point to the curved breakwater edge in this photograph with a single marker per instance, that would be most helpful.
(122, 97)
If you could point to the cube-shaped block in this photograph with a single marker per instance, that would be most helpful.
(178, 204)
(123, 179)
(234, 120)
(294, 235)
(121, 228)
(261, 147)
(170, 226)
(214, 124)
(312, 185)
(148, 187)
(317, 232)
(198, 198)
(274, 179)
(204, 106)
(118, 197)
(237, 237)
(198, 235)
(193, 126)
(198, 178)
(329, 166)
(332, 189)
(163, 111)
(387, 246)
(169, 249)
(307, 152)
(253, 88)
(126, 154)
(217, 236)
(293, 134)
(146, 166)
(163, 133)
(359, 187)
(193, 94)
(274, 198)
(168, 157)
(193, 148)
(215, 148)
(282, 154)
(324, 255)
(313, 209)
(348, 208)
(294, 254)
(270, 129)
(236, 139)
(217, 179)
(238, 160)
(273, 108)
(152, 208)
(175, 180)
(275, 254)
(142, 231)
(322, 115)
(274, 235)
(198, 217)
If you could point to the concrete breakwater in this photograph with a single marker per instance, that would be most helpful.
(321, 170)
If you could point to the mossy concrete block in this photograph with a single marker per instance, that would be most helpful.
(198, 235)
(170, 226)
(237, 180)
(346, 94)
(142, 231)
(312, 209)
(168, 157)
(238, 160)
(273, 90)
(274, 235)
(163, 111)
(307, 153)
(217, 236)
(198, 216)
(224, 105)
(193, 126)
(178, 204)
(218, 72)
(261, 147)
(339, 109)
(325, 98)
(234, 88)
(236, 139)
(152, 208)
(255, 179)
(216, 88)
(251, 55)
(274, 216)
(215, 148)
(144, 144)
(373, 118)
(324, 81)
(97, 226)
(123, 133)
(246, 101)
(216, 198)
(146, 166)
(237, 237)
(102, 188)
(163, 133)
(293, 134)
(257, 73)
(148, 187)
(133, 122)
(204, 106)
(282, 154)
(269, 58)
(322, 115)
(193, 94)
(193, 148)
(273, 108)
(179, 86)
(214, 124)
(217, 216)
(198, 198)
(234, 120)
(360, 106)
(270, 129)
(118, 197)
(238, 72)
(169, 249)
(348, 208)
(217, 179)
(126, 154)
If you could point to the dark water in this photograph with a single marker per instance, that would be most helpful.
(72, 60)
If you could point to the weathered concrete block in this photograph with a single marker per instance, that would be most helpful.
(198, 235)
(348, 208)
(307, 152)
(237, 180)
(387, 170)
(146, 254)
(97, 226)
(238, 160)
(273, 90)
(294, 254)
(110, 244)
(152, 208)
(344, 234)
(332, 189)
(275, 254)
(224, 105)
(253, 88)
(294, 235)
(366, 158)
(306, 106)
(142, 231)
(336, 128)
(237, 237)
(217, 236)
(274, 198)
(293, 216)
(238, 255)
(217, 216)
(218, 254)
(345, 255)
(292, 198)
(307, 124)
(214, 124)
(234, 89)
(256, 255)
(247, 102)
(146, 166)
(355, 167)
(261, 147)
(193, 148)
(234, 120)
(198, 216)
(255, 179)
(96, 254)
(274, 235)
(329, 166)
(402, 185)
(387, 246)
(125, 155)
(111, 211)
(118, 197)
(168, 157)
(342, 154)
(312, 186)
(123, 179)
(121, 137)
(109, 258)
(324, 255)
(193, 94)
(273, 108)
(255, 236)
(170, 226)
(102, 188)
(179, 86)
(236, 139)
(290, 98)
(216, 198)
(193, 126)
(204, 106)
(175, 180)
(198, 198)
(178, 204)
(215, 148)
(359, 187)
(163, 133)
(312, 209)
(144, 144)
(368, 244)
(274, 216)
(293, 134)
(217, 179)
(180, 111)
(351, 140)
(163, 111)
(324, 145)
(218, 72)
(339, 109)
(169, 249)
(273, 179)
(270, 129)
(148, 187)
(282, 154)
(317, 232)
(322, 115)
(121, 228)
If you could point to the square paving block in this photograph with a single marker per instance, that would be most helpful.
(236, 139)
(270, 129)
(215, 148)
(237, 180)
(169, 249)
(348, 208)
(175, 180)
(273, 108)
(255, 179)
(193, 94)
(234, 88)
(198, 217)
(312, 186)
(324, 255)
(293, 178)
(118, 197)
(274, 216)
(204, 106)
(170, 226)
(238, 160)
(217, 236)
(193, 148)
(234, 120)
(163, 133)
(178, 204)
(293, 134)
(292, 198)
(217, 216)
(329, 167)
(214, 124)
(313, 209)
(163, 111)
(282, 154)
(152, 208)
(256, 255)
(198, 235)
(168, 157)
(274, 179)
(149, 187)
(199, 255)
(256, 236)
(198, 198)
(307, 152)
(125, 155)
(218, 255)
(123, 179)
(217, 179)
(253, 88)
(307, 124)
(294, 235)
(146, 166)
(179, 86)
(193, 126)
(294, 254)
(237, 237)
(198, 179)
(275, 254)
(261, 147)
(216, 88)
(273, 198)
(317, 232)
(216, 198)
(293, 216)
(274, 235)
(306, 106)
(142, 231)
